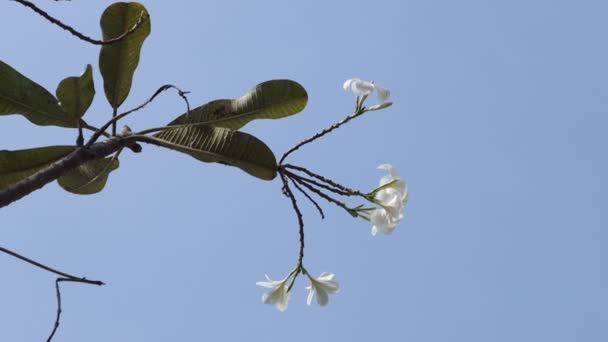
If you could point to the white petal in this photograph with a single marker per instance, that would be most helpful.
(322, 297)
(374, 230)
(382, 221)
(270, 283)
(348, 83)
(383, 93)
(283, 301)
(266, 284)
(311, 293)
(391, 170)
(361, 88)
(326, 276)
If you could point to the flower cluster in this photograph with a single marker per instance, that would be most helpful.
(388, 202)
(322, 286)
(392, 197)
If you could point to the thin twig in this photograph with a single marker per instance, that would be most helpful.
(114, 119)
(309, 198)
(62, 277)
(320, 185)
(49, 269)
(325, 180)
(287, 191)
(322, 133)
(59, 310)
(323, 195)
(79, 35)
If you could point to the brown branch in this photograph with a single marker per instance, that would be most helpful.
(322, 133)
(58, 168)
(322, 194)
(49, 269)
(347, 191)
(63, 277)
(315, 183)
(319, 209)
(59, 310)
(79, 35)
(287, 191)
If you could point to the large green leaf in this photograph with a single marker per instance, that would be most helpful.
(88, 178)
(118, 61)
(269, 100)
(76, 93)
(17, 165)
(220, 145)
(20, 95)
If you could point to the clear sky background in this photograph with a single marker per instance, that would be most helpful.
(499, 127)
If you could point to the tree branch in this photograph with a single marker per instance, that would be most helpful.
(58, 168)
(79, 35)
(62, 277)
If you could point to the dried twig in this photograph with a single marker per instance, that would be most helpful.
(62, 277)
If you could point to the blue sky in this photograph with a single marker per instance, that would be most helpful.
(499, 128)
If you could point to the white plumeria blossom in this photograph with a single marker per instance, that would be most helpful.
(392, 198)
(278, 296)
(364, 88)
(323, 286)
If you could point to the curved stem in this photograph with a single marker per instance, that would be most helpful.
(319, 209)
(322, 133)
(79, 35)
(115, 118)
(287, 191)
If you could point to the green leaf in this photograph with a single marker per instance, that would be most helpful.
(220, 145)
(17, 165)
(269, 100)
(89, 178)
(76, 93)
(20, 95)
(118, 61)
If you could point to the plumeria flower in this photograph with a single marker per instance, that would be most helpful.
(392, 180)
(392, 197)
(324, 285)
(278, 295)
(363, 88)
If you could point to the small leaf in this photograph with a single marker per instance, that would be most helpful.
(89, 178)
(220, 145)
(269, 100)
(76, 93)
(20, 95)
(118, 61)
(18, 165)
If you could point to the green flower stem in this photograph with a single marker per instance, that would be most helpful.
(370, 196)
(295, 273)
